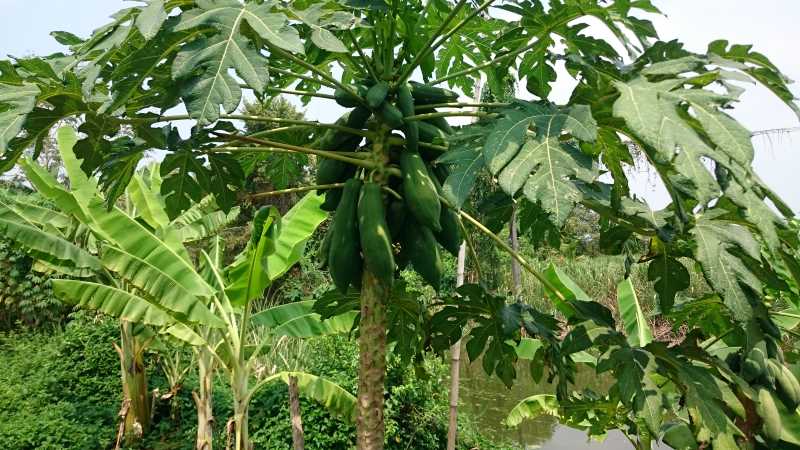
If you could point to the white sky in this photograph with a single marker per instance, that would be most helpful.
(772, 25)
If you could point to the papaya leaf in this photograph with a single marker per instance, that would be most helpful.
(16, 101)
(669, 277)
(725, 271)
(228, 49)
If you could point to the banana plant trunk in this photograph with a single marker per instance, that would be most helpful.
(372, 363)
(203, 399)
(298, 439)
(134, 384)
(241, 410)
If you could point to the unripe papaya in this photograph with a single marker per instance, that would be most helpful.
(391, 115)
(332, 199)
(419, 191)
(345, 98)
(376, 244)
(430, 133)
(450, 235)
(342, 140)
(344, 258)
(769, 328)
(420, 248)
(376, 95)
(330, 171)
(429, 95)
(769, 414)
(396, 218)
(788, 386)
(755, 365)
(406, 104)
(441, 123)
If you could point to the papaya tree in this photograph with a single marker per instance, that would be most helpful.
(398, 175)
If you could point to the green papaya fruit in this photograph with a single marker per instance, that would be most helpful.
(449, 237)
(376, 95)
(344, 258)
(787, 385)
(419, 245)
(768, 411)
(342, 140)
(419, 191)
(755, 365)
(376, 242)
(430, 133)
(333, 196)
(391, 115)
(345, 98)
(406, 104)
(396, 218)
(429, 95)
(442, 124)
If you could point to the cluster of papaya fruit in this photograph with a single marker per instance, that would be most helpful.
(371, 229)
(765, 369)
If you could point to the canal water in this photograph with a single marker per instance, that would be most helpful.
(487, 401)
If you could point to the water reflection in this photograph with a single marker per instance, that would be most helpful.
(488, 401)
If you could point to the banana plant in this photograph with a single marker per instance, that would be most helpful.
(145, 276)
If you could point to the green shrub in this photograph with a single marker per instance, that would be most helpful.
(59, 390)
(25, 295)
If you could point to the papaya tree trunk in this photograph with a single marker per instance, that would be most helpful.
(455, 360)
(372, 363)
(134, 384)
(203, 399)
(298, 439)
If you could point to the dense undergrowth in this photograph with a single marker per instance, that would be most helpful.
(60, 389)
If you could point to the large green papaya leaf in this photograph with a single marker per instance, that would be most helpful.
(721, 245)
(227, 49)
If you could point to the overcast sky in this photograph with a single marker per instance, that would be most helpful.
(771, 25)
